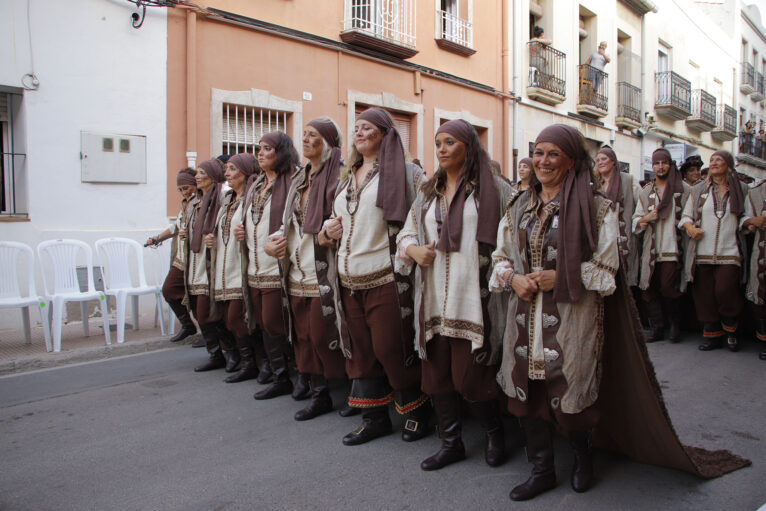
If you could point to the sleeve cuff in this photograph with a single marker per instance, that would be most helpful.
(402, 262)
(597, 277)
(497, 282)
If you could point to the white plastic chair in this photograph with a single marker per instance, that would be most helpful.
(61, 255)
(10, 293)
(160, 263)
(115, 255)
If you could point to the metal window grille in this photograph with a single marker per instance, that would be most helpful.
(243, 126)
(453, 27)
(11, 160)
(393, 20)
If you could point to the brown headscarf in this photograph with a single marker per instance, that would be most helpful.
(614, 193)
(281, 185)
(325, 180)
(392, 197)
(577, 230)
(211, 201)
(527, 162)
(489, 207)
(185, 178)
(675, 182)
(736, 198)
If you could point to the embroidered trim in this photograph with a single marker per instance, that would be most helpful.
(709, 335)
(368, 281)
(223, 295)
(263, 281)
(299, 289)
(364, 402)
(729, 328)
(199, 289)
(410, 406)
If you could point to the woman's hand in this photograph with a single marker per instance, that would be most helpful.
(545, 279)
(757, 222)
(209, 240)
(422, 254)
(182, 233)
(334, 228)
(325, 240)
(276, 247)
(524, 287)
(150, 241)
(239, 232)
(694, 232)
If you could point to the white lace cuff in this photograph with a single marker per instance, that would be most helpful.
(636, 229)
(402, 262)
(497, 282)
(599, 278)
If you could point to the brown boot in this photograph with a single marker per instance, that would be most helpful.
(582, 471)
(302, 387)
(265, 374)
(281, 385)
(540, 453)
(489, 417)
(247, 368)
(452, 449)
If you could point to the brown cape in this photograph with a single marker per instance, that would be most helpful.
(634, 420)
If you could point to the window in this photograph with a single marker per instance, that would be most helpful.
(243, 126)
(454, 25)
(239, 119)
(12, 177)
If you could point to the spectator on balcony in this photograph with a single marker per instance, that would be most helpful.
(658, 212)
(691, 169)
(538, 64)
(716, 253)
(598, 61)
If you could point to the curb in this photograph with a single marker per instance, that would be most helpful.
(51, 360)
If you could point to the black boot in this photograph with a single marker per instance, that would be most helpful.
(265, 374)
(275, 351)
(375, 423)
(713, 334)
(216, 360)
(247, 368)
(347, 410)
(673, 313)
(654, 311)
(448, 415)
(489, 417)
(320, 403)
(416, 408)
(228, 346)
(582, 471)
(730, 327)
(760, 332)
(187, 325)
(540, 454)
(302, 388)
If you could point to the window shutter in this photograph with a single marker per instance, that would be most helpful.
(5, 115)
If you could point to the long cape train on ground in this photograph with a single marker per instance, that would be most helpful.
(634, 419)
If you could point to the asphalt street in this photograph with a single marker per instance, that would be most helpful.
(144, 432)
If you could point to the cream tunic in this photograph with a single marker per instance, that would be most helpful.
(262, 269)
(719, 244)
(302, 280)
(666, 235)
(452, 295)
(228, 257)
(364, 259)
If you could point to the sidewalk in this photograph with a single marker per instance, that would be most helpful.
(16, 356)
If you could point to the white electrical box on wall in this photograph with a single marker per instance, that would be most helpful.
(112, 158)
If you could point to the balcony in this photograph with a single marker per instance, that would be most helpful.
(752, 149)
(547, 74)
(758, 95)
(628, 106)
(673, 95)
(454, 34)
(703, 111)
(726, 124)
(747, 84)
(387, 26)
(593, 95)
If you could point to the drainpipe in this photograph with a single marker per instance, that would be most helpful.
(191, 88)
(517, 45)
(643, 94)
(505, 89)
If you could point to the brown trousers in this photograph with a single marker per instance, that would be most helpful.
(449, 367)
(312, 351)
(173, 288)
(665, 282)
(538, 406)
(234, 318)
(717, 294)
(374, 324)
(200, 307)
(268, 311)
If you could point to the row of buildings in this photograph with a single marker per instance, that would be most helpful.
(102, 101)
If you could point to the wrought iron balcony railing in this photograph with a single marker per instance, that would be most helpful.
(628, 102)
(547, 68)
(673, 95)
(593, 89)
